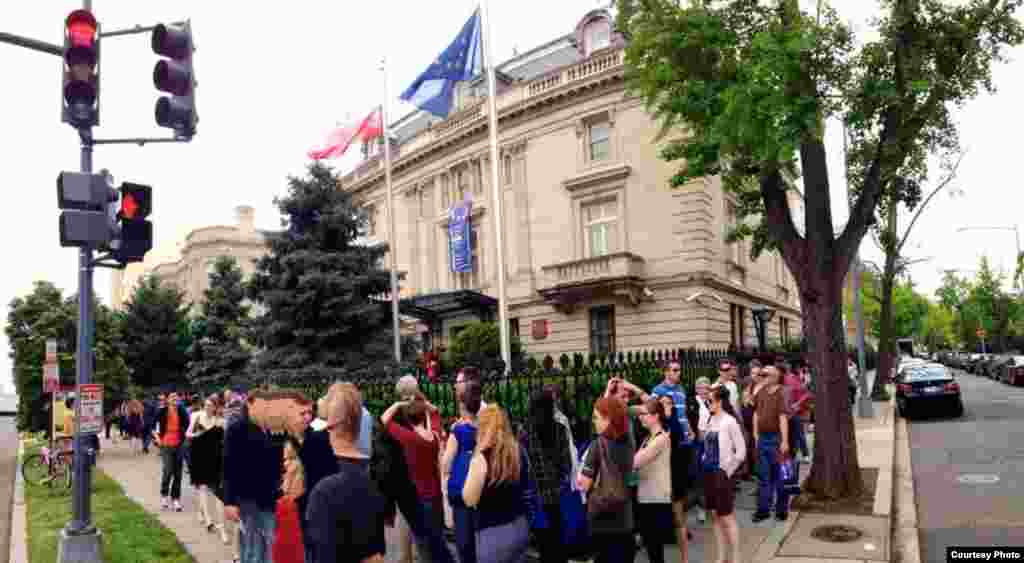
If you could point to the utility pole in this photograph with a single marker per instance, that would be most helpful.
(864, 407)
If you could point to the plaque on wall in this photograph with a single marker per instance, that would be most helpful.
(540, 329)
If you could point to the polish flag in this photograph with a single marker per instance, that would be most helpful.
(338, 141)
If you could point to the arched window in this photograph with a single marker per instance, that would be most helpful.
(597, 35)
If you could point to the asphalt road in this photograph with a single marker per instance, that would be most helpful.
(969, 472)
(8, 467)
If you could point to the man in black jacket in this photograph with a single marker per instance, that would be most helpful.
(252, 476)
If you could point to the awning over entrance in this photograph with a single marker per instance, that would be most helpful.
(448, 303)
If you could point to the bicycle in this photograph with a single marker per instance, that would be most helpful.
(48, 467)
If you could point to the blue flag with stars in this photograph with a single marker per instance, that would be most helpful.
(434, 89)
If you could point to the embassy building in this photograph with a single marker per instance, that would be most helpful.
(601, 254)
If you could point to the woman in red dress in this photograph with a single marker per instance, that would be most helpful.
(288, 546)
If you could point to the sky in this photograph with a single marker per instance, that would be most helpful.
(271, 83)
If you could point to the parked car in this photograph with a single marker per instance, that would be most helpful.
(974, 362)
(928, 389)
(993, 369)
(1013, 371)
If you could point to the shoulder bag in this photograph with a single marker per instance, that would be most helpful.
(609, 492)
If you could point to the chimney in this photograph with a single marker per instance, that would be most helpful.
(245, 218)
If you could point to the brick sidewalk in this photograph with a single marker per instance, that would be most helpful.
(139, 475)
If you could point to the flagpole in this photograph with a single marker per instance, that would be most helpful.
(389, 205)
(499, 221)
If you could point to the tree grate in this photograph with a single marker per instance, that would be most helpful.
(837, 533)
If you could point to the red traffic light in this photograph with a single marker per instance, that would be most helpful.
(136, 201)
(81, 28)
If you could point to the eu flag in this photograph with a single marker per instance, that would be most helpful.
(433, 90)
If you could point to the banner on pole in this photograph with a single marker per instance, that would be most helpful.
(90, 404)
(51, 378)
(460, 233)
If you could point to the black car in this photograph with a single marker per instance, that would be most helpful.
(928, 389)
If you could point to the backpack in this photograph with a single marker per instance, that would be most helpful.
(465, 437)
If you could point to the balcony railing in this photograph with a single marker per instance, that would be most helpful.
(621, 265)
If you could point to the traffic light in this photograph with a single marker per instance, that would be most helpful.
(81, 81)
(136, 232)
(83, 199)
(176, 76)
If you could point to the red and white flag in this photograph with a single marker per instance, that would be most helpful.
(338, 141)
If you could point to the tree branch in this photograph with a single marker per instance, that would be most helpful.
(780, 219)
(942, 185)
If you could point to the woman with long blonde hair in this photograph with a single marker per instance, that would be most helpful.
(288, 545)
(496, 485)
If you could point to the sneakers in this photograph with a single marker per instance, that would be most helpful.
(760, 517)
(782, 516)
(165, 503)
(702, 515)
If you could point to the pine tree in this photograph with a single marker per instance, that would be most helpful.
(154, 334)
(320, 288)
(218, 353)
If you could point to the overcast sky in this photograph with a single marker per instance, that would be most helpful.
(273, 82)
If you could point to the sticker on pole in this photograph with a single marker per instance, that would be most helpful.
(90, 401)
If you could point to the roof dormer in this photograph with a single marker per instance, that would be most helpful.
(595, 32)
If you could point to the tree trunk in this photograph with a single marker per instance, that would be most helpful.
(886, 336)
(835, 473)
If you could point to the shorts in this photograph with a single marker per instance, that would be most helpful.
(719, 493)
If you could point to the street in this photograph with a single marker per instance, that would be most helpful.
(8, 467)
(968, 471)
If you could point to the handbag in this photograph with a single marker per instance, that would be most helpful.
(609, 493)
(789, 474)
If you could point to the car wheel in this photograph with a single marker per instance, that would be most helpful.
(958, 411)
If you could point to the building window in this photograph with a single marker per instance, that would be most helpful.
(784, 330)
(734, 250)
(371, 220)
(599, 141)
(506, 167)
(737, 325)
(602, 329)
(601, 227)
(597, 35)
(513, 327)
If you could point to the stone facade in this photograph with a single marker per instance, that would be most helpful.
(189, 266)
(601, 253)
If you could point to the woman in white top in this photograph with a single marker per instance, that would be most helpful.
(724, 452)
(206, 435)
(654, 491)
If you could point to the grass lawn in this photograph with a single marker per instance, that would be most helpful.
(130, 534)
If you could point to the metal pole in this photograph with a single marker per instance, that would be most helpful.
(864, 407)
(392, 253)
(499, 220)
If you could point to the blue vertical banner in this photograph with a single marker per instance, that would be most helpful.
(460, 233)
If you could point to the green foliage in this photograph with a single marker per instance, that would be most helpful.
(45, 314)
(218, 354)
(320, 288)
(155, 335)
(479, 344)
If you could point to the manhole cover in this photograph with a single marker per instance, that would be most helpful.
(978, 479)
(837, 533)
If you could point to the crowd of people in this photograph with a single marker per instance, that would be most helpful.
(285, 479)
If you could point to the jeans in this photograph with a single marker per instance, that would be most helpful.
(427, 529)
(550, 538)
(257, 537)
(170, 479)
(796, 430)
(465, 534)
(770, 487)
(614, 548)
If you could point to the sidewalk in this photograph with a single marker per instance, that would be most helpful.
(139, 475)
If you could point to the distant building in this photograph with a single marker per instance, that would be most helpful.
(601, 253)
(189, 264)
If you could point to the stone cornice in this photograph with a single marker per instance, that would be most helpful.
(597, 176)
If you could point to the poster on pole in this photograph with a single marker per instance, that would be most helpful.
(51, 378)
(460, 248)
(90, 405)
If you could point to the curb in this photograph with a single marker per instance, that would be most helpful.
(19, 524)
(906, 543)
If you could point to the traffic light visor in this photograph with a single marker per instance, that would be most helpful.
(171, 77)
(81, 26)
(170, 42)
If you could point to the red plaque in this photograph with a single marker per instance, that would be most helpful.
(540, 329)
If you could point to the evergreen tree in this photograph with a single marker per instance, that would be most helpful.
(320, 288)
(45, 314)
(155, 335)
(218, 354)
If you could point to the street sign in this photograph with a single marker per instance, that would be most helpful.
(90, 401)
(980, 333)
(51, 378)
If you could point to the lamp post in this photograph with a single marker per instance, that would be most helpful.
(762, 316)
